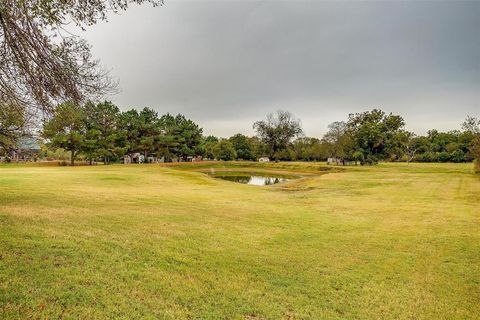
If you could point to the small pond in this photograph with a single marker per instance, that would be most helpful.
(256, 179)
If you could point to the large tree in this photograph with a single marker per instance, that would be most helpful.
(242, 146)
(206, 146)
(104, 139)
(181, 136)
(373, 133)
(277, 131)
(416, 144)
(148, 131)
(141, 131)
(339, 140)
(129, 123)
(224, 150)
(66, 129)
(41, 63)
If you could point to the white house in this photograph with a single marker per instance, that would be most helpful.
(264, 159)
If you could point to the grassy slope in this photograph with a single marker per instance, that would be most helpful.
(393, 241)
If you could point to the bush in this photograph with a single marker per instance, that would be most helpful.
(358, 156)
(285, 155)
(370, 160)
(457, 156)
(443, 156)
(425, 157)
(63, 163)
(477, 166)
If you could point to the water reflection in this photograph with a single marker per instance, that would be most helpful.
(253, 180)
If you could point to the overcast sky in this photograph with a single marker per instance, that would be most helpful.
(226, 64)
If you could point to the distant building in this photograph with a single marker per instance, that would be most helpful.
(336, 161)
(27, 149)
(134, 158)
(264, 159)
(151, 159)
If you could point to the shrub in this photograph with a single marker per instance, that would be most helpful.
(444, 156)
(358, 156)
(370, 160)
(457, 156)
(285, 155)
(426, 157)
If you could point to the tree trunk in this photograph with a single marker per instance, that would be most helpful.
(411, 157)
(72, 158)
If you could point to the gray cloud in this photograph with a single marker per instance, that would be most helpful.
(226, 64)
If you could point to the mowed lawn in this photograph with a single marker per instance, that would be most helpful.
(394, 241)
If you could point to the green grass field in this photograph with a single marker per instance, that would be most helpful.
(394, 241)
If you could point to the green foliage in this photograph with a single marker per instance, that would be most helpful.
(224, 150)
(243, 147)
(452, 146)
(259, 148)
(309, 149)
(66, 129)
(358, 156)
(182, 137)
(12, 126)
(338, 140)
(205, 148)
(130, 127)
(148, 131)
(103, 137)
(101, 131)
(376, 134)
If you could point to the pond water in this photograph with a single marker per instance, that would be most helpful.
(253, 180)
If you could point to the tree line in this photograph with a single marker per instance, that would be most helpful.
(101, 132)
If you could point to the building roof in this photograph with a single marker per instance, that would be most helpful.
(28, 144)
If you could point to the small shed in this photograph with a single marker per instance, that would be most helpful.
(336, 161)
(264, 159)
